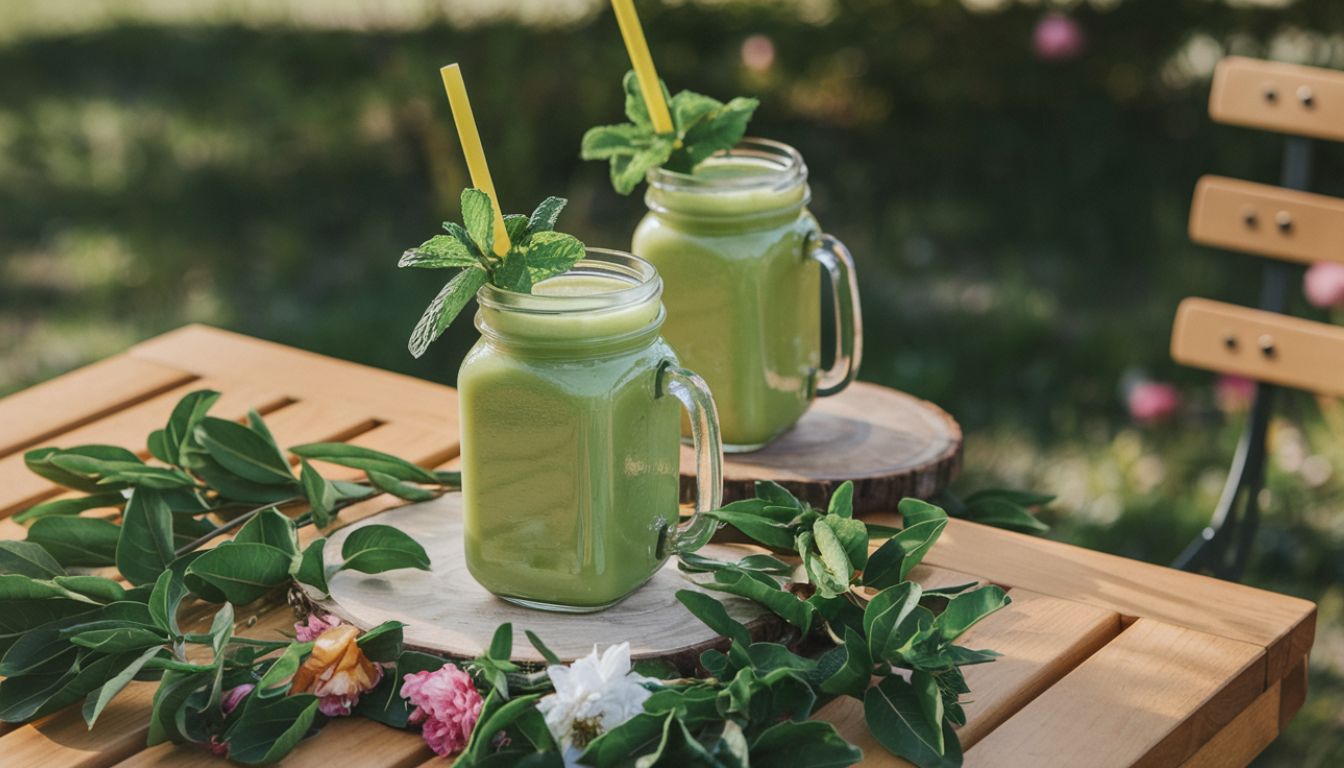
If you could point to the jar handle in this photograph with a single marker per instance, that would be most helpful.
(834, 256)
(694, 395)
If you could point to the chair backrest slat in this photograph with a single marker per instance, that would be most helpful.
(1267, 220)
(1266, 346)
(1287, 98)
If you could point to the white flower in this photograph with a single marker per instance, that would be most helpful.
(592, 696)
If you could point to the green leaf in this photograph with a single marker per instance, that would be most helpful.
(513, 274)
(438, 252)
(383, 643)
(321, 496)
(834, 571)
(98, 699)
(366, 459)
(232, 487)
(766, 591)
(244, 452)
(915, 511)
(276, 681)
(312, 568)
(119, 639)
(604, 142)
(169, 699)
(42, 649)
(813, 743)
(893, 561)
(853, 536)
(41, 461)
(169, 592)
(494, 718)
(756, 527)
(777, 495)
(635, 107)
(78, 541)
(851, 676)
(627, 171)
(714, 615)
(378, 548)
(95, 587)
(692, 562)
(240, 572)
(515, 224)
(617, 747)
(888, 609)
(478, 214)
(546, 653)
(898, 717)
(268, 729)
(271, 527)
(27, 558)
(552, 253)
(842, 500)
(689, 108)
(1018, 498)
(718, 131)
(69, 507)
(120, 474)
(501, 645)
(1004, 514)
(145, 547)
(29, 697)
(964, 610)
(545, 215)
(181, 427)
(445, 307)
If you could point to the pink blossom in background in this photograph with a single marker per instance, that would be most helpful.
(1153, 402)
(234, 697)
(317, 622)
(1324, 285)
(758, 53)
(1234, 393)
(447, 705)
(1057, 38)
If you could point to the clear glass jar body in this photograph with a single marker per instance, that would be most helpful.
(570, 444)
(737, 250)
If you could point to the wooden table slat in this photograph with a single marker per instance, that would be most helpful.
(1248, 734)
(1151, 697)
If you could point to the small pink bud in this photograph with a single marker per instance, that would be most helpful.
(1152, 402)
(235, 697)
(1324, 284)
(1057, 38)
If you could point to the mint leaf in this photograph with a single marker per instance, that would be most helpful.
(516, 224)
(720, 130)
(628, 170)
(544, 217)
(513, 275)
(605, 141)
(444, 308)
(478, 213)
(689, 108)
(552, 253)
(437, 252)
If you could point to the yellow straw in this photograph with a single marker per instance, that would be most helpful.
(638, 48)
(471, 147)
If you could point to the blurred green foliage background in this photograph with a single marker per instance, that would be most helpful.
(1019, 219)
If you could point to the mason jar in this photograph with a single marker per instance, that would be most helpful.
(741, 259)
(570, 408)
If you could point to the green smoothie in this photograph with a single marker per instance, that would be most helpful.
(742, 296)
(569, 454)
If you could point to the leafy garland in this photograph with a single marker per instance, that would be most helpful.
(701, 127)
(536, 252)
(857, 625)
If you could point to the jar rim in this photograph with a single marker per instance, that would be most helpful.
(783, 168)
(644, 285)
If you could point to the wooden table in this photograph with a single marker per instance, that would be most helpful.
(1106, 661)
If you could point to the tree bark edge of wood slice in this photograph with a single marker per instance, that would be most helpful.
(447, 613)
(889, 443)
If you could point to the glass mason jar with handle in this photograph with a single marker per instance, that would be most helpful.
(570, 420)
(741, 258)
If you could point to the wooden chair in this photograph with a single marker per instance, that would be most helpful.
(1285, 224)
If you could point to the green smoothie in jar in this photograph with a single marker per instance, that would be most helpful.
(740, 256)
(570, 425)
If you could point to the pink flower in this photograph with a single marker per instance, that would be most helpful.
(317, 622)
(1057, 38)
(1324, 285)
(1152, 402)
(446, 703)
(1234, 393)
(234, 697)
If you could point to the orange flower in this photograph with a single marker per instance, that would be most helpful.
(337, 671)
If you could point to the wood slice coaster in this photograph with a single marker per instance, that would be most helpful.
(447, 612)
(891, 444)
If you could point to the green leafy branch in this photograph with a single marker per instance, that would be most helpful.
(536, 251)
(69, 635)
(702, 126)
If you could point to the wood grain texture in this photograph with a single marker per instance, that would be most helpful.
(1266, 220)
(1241, 95)
(1245, 737)
(1303, 353)
(1150, 698)
(891, 444)
(82, 396)
(446, 611)
(1279, 623)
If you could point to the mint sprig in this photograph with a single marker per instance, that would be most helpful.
(701, 127)
(536, 252)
